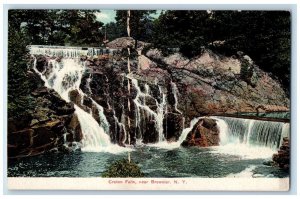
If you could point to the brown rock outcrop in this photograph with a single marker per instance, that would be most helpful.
(204, 134)
(45, 127)
(282, 158)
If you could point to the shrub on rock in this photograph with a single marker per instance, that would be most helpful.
(122, 169)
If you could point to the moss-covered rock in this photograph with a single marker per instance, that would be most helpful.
(122, 169)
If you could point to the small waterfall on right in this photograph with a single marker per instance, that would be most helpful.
(250, 138)
(255, 132)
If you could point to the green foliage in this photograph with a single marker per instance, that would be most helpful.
(115, 30)
(42, 27)
(263, 35)
(140, 23)
(84, 29)
(58, 27)
(19, 100)
(122, 169)
(187, 30)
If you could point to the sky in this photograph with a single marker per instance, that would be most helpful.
(107, 16)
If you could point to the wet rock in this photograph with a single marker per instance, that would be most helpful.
(204, 134)
(74, 125)
(173, 126)
(282, 157)
(20, 140)
(41, 63)
(75, 97)
(43, 129)
(208, 84)
(150, 134)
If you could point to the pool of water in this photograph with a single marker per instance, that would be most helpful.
(212, 162)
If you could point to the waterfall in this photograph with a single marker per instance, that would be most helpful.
(175, 93)
(223, 128)
(103, 120)
(68, 52)
(285, 132)
(250, 139)
(254, 132)
(140, 103)
(88, 84)
(184, 133)
(66, 76)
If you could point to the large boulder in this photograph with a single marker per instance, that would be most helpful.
(124, 42)
(204, 134)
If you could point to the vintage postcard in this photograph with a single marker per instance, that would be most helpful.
(149, 100)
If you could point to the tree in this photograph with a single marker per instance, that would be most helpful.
(42, 27)
(83, 28)
(187, 30)
(18, 82)
(263, 35)
(114, 30)
(140, 23)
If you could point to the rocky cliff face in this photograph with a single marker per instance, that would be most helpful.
(154, 102)
(206, 85)
(50, 125)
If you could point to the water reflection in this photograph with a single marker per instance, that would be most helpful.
(154, 162)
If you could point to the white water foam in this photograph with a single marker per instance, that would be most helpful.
(175, 93)
(244, 149)
(140, 104)
(66, 76)
(285, 132)
(173, 145)
(247, 173)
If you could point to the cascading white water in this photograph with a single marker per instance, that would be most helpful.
(184, 133)
(175, 93)
(223, 129)
(103, 120)
(240, 137)
(285, 132)
(254, 132)
(250, 139)
(65, 76)
(56, 51)
(88, 83)
(68, 52)
(94, 136)
(140, 104)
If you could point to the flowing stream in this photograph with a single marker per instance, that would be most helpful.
(65, 76)
(244, 143)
